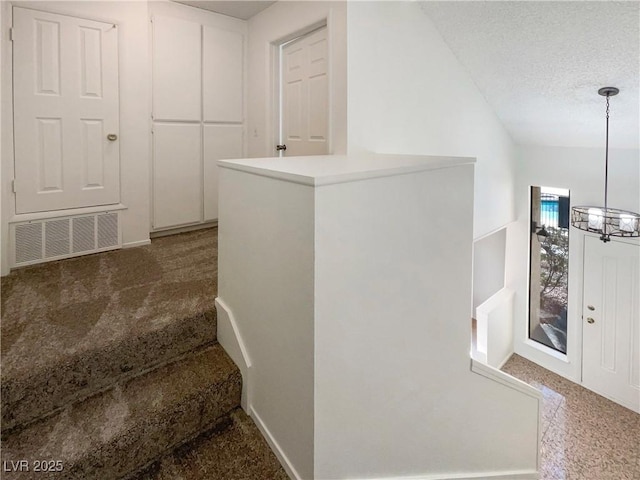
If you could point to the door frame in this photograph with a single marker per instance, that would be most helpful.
(276, 81)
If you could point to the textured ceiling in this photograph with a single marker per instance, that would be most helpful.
(243, 9)
(540, 64)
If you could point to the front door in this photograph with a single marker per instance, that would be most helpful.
(305, 95)
(611, 317)
(65, 88)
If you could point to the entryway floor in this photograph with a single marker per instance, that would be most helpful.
(585, 436)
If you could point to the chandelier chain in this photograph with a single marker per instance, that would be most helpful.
(606, 168)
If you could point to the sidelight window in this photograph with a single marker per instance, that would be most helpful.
(549, 267)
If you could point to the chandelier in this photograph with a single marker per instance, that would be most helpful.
(608, 222)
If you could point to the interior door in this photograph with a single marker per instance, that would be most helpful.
(611, 316)
(305, 95)
(65, 81)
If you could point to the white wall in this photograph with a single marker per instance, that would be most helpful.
(409, 94)
(135, 112)
(581, 170)
(488, 266)
(2, 109)
(278, 23)
(395, 395)
(266, 282)
(6, 136)
(358, 336)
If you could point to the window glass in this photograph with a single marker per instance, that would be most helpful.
(549, 267)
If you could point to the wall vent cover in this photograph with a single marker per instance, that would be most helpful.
(55, 238)
(84, 233)
(107, 230)
(28, 242)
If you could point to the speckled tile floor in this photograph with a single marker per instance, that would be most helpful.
(585, 436)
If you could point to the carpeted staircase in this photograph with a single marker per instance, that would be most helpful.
(111, 369)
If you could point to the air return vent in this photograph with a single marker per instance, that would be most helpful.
(55, 238)
(84, 233)
(28, 242)
(107, 230)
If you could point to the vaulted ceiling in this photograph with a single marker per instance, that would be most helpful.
(540, 64)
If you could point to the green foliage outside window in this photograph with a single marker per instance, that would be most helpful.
(554, 270)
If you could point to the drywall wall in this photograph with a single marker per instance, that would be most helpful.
(2, 153)
(409, 94)
(266, 281)
(495, 328)
(488, 266)
(393, 383)
(357, 336)
(135, 112)
(6, 136)
(280, 22)
(581, 170)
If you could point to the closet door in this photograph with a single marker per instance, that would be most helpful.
(177, 172)
(177, 117)
(222, 80)
(176, 69)
(220, 142)
(222, 75)
(198, 114)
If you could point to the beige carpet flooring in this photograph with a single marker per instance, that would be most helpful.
(72, 325)
(110, 361)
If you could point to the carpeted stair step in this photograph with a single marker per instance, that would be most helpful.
(118, 431)
(75, 327)
(234, 450)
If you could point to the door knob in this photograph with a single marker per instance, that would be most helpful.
(590, 320)
(281, 147)
(112, 137)
(591, 307)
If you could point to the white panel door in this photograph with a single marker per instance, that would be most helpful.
(611, 316)
(65, 105)
(222, 75)
(305, 95)
(176, 69)
(177, 175)
(220, 142)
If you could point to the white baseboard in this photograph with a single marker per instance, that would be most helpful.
(505, 360)
(163, 232)
(139, 243)
(505, 379)
(231, 340)
(275, 447)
